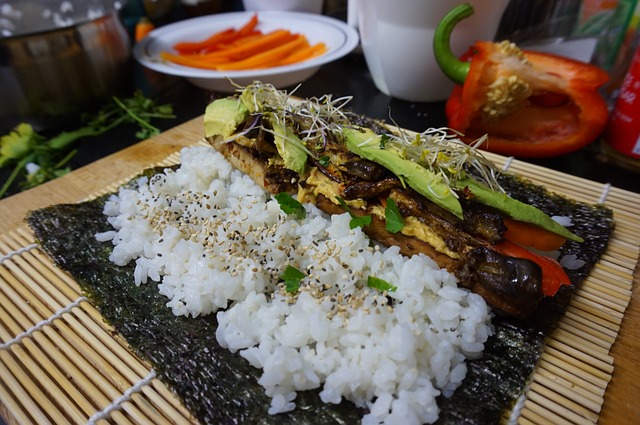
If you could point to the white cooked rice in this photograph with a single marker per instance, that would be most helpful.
(214, 241)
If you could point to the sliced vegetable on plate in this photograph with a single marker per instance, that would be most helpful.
(222, 51)
(243, 48)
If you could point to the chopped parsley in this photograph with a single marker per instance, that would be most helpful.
(356, 221)
(292, 278)
(380, 284)
(394, 220)
(291, 206)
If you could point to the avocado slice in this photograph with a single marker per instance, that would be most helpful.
(223, 116)
(366, 143)
(515, 209)
(290, 148)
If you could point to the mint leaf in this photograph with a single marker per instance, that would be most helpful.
(394, 220)
(290, 206)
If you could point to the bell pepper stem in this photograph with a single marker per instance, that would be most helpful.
(452, 67)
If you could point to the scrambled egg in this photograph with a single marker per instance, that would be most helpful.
(319, 184)
(417, 229)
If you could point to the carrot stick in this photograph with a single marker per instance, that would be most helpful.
(190, 47)
(249, 26)
(245, 48)
(267, 57)
(192, 60)
(260, 44)
(231, 44)
(143, 27)
(223, 36)
(303, 54)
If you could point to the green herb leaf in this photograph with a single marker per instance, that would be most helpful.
(324, 160)
(344, 205)
(383, 140)
(380, 284)
(356, 221)
(18, 144)
(291, 206)
(394, 220)
(292, 278)
(360, 221)
(23, 146)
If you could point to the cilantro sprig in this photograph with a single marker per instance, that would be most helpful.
(356, 220)
(292, 278)
(36, 159)
(291, 206)
(393, 218)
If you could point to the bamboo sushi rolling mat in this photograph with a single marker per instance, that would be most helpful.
(60, 363)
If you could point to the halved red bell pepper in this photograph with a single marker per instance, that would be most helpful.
(530, 104)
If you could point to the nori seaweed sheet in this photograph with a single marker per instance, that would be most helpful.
(220, 387)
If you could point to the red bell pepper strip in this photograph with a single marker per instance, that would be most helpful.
(553, 275)
(530, 104)
(532, 236)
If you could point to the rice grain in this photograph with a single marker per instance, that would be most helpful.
(214, 242)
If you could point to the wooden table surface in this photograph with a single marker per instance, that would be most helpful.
(621, 404)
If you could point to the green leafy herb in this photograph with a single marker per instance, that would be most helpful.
(39, 174)
(18, 143)
(36, 159)
(356, 220)
(291, 206)
(384, 138)
(380, 284)
(324, 160)
(360, 221)
(394, 220)
(292, 278)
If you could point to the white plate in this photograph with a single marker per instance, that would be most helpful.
(339, 38)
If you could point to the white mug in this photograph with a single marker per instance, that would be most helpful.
(308, 6)
(397, 42)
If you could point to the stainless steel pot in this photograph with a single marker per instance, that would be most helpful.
(59, 58)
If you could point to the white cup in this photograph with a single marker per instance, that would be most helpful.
(308, 6)
(397, 42)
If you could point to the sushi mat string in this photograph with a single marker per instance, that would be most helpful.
(42, 323)
(115, 405)
(507, 164)
(18, 252)
(126, 396)
(603, 195)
